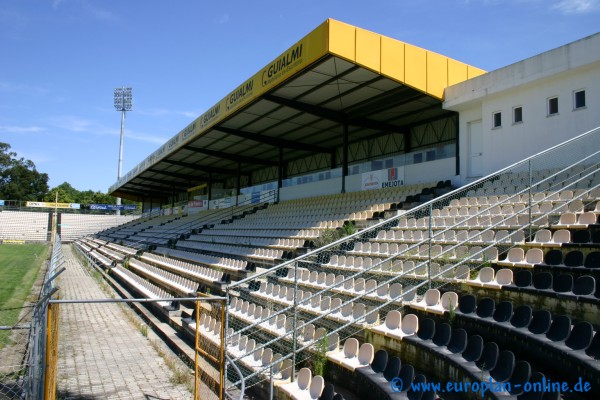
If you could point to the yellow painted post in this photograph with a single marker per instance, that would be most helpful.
(51, 352)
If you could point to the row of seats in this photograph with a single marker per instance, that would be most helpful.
(112, 254)
(225, 263)
(330, 307)
(260, 253)
(370, 288)
(572, 339)
(102, 259)
(308, 387)
(202, 274)
(244, 231)
(537, 197)
(471, 354)
(249, 241)
(425, 251)
(563, 284)
(174, 282)
(140, 284)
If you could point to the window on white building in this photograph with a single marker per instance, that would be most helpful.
(497, 119)
(517, 115)
(578, 99)
(552, 105)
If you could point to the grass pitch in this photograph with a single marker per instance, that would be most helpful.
(19, 268)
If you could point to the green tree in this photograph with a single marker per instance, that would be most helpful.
(66, 194)
(19, 179)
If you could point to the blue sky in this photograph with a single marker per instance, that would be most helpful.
(61, 59)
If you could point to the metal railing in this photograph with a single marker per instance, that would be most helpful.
(426, 260)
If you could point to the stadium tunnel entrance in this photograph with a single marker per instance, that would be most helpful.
(338, 104)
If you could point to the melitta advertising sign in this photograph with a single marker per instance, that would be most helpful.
(383, 178)
(43, 204)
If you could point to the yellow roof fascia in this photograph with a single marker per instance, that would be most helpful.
(413, 66)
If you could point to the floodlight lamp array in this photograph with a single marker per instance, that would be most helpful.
(123, 99)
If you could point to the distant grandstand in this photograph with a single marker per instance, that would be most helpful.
(395, 214)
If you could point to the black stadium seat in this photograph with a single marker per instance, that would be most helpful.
(380, 361)
(574, 259)
(580, 337)
(553, 257)
(406, 375)
(584, 286)
(485, 308)
(593, 349)
(328, 392)
(442, 335)
(474, 349)
(458, 341)
(536, 377)
(563, 283)
(467, 304)
(489, 357)
(426, 329)
(592, 260)
(523, 278)
(504, 367)
(520, 377)
(581, 236)
(559, 328)
(418, 382)
(521, 317)
(392, 369)
(542, 281)
(503, 312)
(540, 322)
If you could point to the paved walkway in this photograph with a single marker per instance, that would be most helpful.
(102, 355)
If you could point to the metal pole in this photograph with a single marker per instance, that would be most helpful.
(295, 333)
(530, 198)
(271, 382)
(118, 200)
(430, 234)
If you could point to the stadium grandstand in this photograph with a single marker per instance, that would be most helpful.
(377, 215)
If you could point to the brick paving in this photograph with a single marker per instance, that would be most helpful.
(102, 355)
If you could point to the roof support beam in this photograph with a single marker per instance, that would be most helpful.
(201, 167)
(273, 141)
(156, 189)
(332, 115)
(230, 157)
(176, 175)
(164, 182)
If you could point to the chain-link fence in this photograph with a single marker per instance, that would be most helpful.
(291, 315)
(23, 346)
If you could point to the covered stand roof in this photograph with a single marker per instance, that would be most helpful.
(337, 76)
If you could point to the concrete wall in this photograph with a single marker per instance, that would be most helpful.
(528, 84)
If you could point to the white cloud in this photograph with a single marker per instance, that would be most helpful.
(21, 129)
(21, 88)
(87, 126)
(577, 6)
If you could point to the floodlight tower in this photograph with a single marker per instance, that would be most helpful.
(122, 103)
